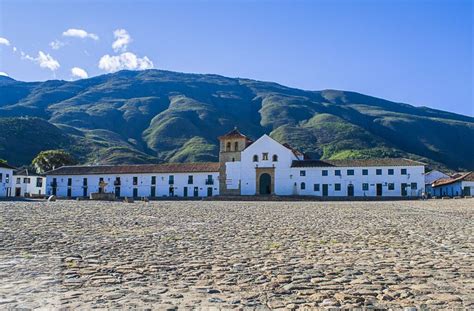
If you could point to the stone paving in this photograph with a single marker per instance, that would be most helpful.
(237, 255)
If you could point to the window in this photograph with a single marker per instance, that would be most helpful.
(39, 182)
(365, 172)
(171, 179)
(233, 159)
(390, 171)
(391, 186)
(378, 171)
(325, 172)
(26, 180)
(302, 173)
(316, 187)
(275, 158)
(18, 180)
(190, 179)
(135, 181)
(69, 182)
(7, 178)
(1, 177)
(265, 156)
(84, 182)
(153, 180)
(414, 186)
(365, 187)
(303, 186)
(228, 146)
(255, 158)
(403, 171)
(337, 172)
(350, 172)
(337, 187)
(236, 146)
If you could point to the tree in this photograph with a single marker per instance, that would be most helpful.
(52, 159)
(3, 161)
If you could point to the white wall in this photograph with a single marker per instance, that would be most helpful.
(266, 144)
(288, 180)
(20, 181)
(432, 176)
(6, 181)
(143, 186)
(315, 176)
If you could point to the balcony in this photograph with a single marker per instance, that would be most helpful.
(209, 182)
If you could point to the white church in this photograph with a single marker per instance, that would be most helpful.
(245, 168)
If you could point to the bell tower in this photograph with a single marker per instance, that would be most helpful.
(230, 147)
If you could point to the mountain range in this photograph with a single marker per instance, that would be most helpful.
(155, 116)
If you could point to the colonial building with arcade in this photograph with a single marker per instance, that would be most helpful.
(248, 168)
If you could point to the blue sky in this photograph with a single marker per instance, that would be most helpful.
(417, 52)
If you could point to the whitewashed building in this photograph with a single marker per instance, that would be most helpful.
(263, 167)
(461, 184)
(268, 167)
(6, 173)
(28, 184)
(430, 178)
(150, 180)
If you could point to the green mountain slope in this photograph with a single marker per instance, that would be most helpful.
(159, 116)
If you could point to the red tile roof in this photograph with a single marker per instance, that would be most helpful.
(357, 163)
(469, 176)
(295, 151)
(202, 167)
(235, 133)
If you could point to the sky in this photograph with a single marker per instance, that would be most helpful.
(417, 52)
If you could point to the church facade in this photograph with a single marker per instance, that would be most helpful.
(249, 168)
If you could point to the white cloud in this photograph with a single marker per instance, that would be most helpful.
(79, 72)
(14, 49)
(125, 60)
(80, 33)
(43, 60)
(4, 41)
(56, 44)
(122, 40)
(4, 74)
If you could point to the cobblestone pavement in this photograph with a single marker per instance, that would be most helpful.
(242, 255)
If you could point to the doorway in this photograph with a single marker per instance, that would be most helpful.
(325, 190)
(404, 190)
(379, 190)
(209, 191)
(117, 192)
(196, 191)
(17, 191)
(350, 190)
(265, 184)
